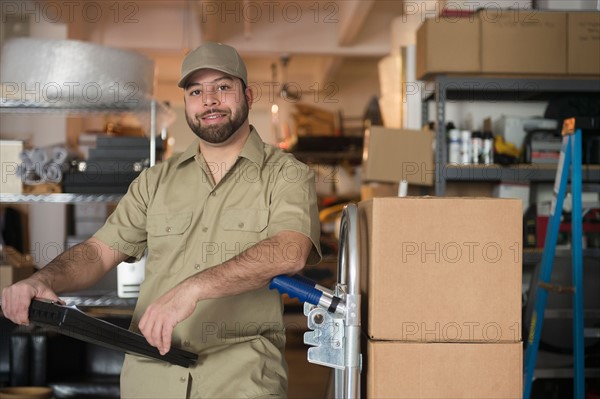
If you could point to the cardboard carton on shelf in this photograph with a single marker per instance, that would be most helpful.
(583, 43)
(444, 370)
(448, 45)
(523, 42)
(441, 269)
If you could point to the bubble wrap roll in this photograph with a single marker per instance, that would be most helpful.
(73, 73)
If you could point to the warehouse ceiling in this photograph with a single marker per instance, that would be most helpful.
(324, 42)
(318, 38)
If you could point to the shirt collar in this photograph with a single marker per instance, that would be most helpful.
(253, 149)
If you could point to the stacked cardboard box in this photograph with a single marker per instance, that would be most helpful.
(448, 46)
(523, 41)
(441, 286)
(393, 155)
(500, 41)
(583, 43)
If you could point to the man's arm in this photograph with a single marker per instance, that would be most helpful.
(284, 253)
(77, 268)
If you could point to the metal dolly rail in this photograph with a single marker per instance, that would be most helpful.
(334, 315)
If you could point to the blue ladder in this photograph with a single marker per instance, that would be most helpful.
(570, 158)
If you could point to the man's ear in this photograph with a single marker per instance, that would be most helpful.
(249, 96)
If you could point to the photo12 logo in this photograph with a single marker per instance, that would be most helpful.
(70, 11)
(453, 252)
(294, 92)
(70, 92)
(269, 11)
(453, 11)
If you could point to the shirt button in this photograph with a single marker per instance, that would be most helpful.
(168, 229)
(183, 379)
(213, 193)
(186, 343)
(197, 266)
(204, 229)
(241, 225)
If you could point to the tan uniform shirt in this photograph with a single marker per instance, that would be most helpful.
(188, 225)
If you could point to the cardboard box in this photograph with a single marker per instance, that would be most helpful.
(10, 159)
(393, 155)
(448, 45)
(523, 41)
(10, 274)
(390, 106)
(441, 269)
(417, 370)
(377, 190)
(583, 43)
(389, 70)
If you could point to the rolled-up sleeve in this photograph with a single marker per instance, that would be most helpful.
(125, 228)
(294, 205)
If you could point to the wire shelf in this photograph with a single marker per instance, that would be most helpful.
(60, 198)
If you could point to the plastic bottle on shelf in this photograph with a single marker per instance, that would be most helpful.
(454, 146)
(476, 147)
(487, 154)
(465, 147)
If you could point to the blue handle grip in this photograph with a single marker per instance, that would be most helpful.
(304, 280)
(296, 289)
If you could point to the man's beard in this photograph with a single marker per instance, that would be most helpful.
(217, 134)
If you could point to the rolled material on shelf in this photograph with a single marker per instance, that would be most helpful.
(43, 165)
(72, 73)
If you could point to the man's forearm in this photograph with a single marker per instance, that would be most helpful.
(285, 253)
(249, 270)
(78, 267)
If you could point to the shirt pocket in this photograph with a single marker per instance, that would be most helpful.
(245, 220)
(167, 240)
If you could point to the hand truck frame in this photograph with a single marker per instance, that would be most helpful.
(334, 317)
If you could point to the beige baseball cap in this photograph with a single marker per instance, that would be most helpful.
(211, 55)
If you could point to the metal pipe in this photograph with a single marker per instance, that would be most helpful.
(350, 275)
(152, 132)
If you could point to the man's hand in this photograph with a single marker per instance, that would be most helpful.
(161, 317)
(235, 276)
(17, 298)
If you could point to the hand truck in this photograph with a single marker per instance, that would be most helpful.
(334, 315)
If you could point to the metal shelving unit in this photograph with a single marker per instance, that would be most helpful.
(534, 255)
(60, 198)
(443, 89)
(159, 117)
(520, 173)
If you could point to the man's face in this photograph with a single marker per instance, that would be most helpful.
(215, 105)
